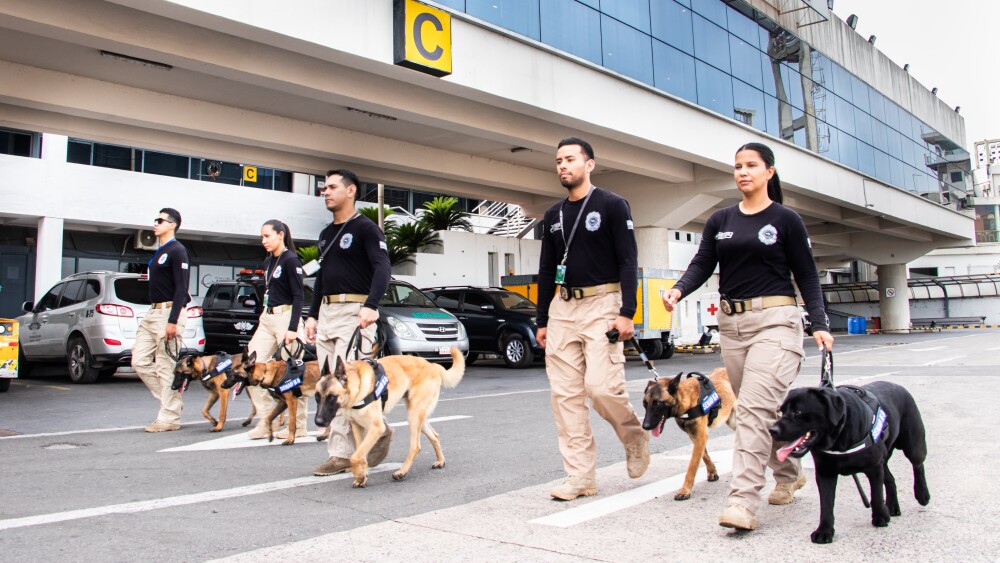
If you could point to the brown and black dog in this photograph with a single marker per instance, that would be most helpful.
(212, 376)
(412, 378)
(273, 372)
(665, 398)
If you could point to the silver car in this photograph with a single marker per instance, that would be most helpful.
(89, 320)
(418, 327)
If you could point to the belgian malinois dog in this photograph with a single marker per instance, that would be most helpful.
(411, 377)
(273, 372)
(212, 375)
(665, 398)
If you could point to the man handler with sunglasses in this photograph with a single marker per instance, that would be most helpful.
(169, 272)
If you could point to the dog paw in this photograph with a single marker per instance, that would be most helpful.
(320, 438)
(437, 465)
(822, 536)
(880, 520)
(361, 484)
(923, 497)
(398, 476)
(681, 495)
(270, 438)
(713, 476)
(247, 423)
(288, 442)
(217, 428)
(893, 509)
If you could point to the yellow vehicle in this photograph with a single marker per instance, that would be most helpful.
(8, 352)
(652, 321)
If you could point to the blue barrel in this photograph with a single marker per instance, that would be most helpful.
(855, 325)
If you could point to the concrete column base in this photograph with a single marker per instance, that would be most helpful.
(893, 298)
(654, 246)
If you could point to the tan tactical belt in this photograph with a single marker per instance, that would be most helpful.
(278, 310)
(568, 293)
(731, 307)
(164, 305)
(345, 298)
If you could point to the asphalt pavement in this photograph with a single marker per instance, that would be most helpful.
(79, 480)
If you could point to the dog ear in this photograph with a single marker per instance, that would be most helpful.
(340, 372)
(326, 367)
(672, 386)
(252, 358)
(836, 408)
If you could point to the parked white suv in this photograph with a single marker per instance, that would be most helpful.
(89, 320)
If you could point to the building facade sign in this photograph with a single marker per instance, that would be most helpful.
(421, 37)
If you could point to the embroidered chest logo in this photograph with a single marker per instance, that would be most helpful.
(768, 235)
(163, 259)
(723, 236)
(322, 243)
(346, 240)
(555, 227)
(593, 221)
(277, 273)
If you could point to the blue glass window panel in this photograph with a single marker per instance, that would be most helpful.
(743, 27)
(882, 169)
(519, 16)
(830, 147)
(763, 39)
(845, 115)
(715, 89)
(626, 50)
(772, 120)
(860, 93)
(683, 2)
(891, 114)
(921, 183)
(456, 4)
(848, 149)
(595, 4)
(711, 43)
(880, 135)
(877, 105)
(674, 72)
(823, 104)
(909, 152)
(793, 86)
(767, 71)
(799, 138)
(915, 129)
(714, 10)
(633, 12)
(866, 158)
(671, 24)
(571, 27)
(898, 173)
(895, 144)
(863, 126)
(746, 62)
(750, 100)
(841, 82)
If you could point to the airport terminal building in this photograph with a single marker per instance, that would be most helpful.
(230, 111)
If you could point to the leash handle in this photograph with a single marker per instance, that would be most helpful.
(299, 350)
(175, 356)
(826, 370)
(356, 344)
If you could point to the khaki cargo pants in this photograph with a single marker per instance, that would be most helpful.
(335, 327)
(762, 352)
(580, 363)
(154, 367)
(266, 340)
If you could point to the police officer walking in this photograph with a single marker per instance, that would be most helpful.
(589, 252)
(163, 324)
(279, 322)
(354, 275)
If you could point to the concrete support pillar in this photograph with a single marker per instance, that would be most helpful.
(893, 298)
(653, 247)
(48, 255)
(54, 147)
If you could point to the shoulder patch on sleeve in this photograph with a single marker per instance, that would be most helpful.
(628, 224)
(184, 265)
(383, 246)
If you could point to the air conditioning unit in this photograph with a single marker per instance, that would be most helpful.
(146, 240)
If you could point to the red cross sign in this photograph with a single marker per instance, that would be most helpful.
(712, 309)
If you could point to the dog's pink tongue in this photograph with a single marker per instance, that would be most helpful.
(785, 451)
(655, 431)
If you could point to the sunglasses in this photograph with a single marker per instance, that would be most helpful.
(161, 220)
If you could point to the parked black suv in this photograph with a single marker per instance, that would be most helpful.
(231, 311)
(498, 321)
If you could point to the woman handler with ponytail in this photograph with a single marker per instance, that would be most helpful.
(279, 323)
(758, 244)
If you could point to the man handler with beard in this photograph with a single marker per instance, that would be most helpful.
(353, 277)
(589, 253)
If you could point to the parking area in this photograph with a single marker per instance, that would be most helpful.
(81, 480)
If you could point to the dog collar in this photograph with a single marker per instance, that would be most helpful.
(874, 411)
(381, 384)
(708, 400)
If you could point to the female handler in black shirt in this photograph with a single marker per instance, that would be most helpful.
(758, 245)
(279, 323)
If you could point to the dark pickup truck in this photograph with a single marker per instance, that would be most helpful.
(232, 309)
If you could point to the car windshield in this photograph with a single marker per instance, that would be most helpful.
(133, 290)
(512, 301)
(401, 295)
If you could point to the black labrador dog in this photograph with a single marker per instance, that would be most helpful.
(853, 430)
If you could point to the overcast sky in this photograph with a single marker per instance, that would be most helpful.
(951, 44)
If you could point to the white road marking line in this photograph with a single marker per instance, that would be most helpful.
(993, 349)
(242, 441)
(927, 349)
(91, 431)
(495, 395)
(155, 504)
(942, 360)
(864, 377)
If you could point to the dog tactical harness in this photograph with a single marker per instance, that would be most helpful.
(381, 385)
(224, 364)
(708, 400)
(292, 381)
(873, 412)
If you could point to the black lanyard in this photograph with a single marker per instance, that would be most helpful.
(576, 223)
(335, 237)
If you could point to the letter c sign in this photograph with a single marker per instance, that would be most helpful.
(422, 37)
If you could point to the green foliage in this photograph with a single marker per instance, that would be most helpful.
(442, 215)
(372, 212)
(416, 235)
(307, 253)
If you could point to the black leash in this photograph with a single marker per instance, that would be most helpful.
(176, 356)
(356, 344)
(826, 380)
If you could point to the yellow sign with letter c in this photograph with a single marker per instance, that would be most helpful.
(421, 37)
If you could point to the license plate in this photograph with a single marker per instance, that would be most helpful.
(444, 350)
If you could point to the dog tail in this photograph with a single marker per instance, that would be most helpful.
(452, 376)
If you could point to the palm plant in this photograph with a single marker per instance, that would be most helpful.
(308, 253)
(442, 215)
(372, 213)
(416, 235)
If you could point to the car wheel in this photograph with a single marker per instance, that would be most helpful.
(105, 374)
(80, 362)
(23, 365)
(471, 358)
(4, 385)
(515, 351)
(668, 352)
(652, 347)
